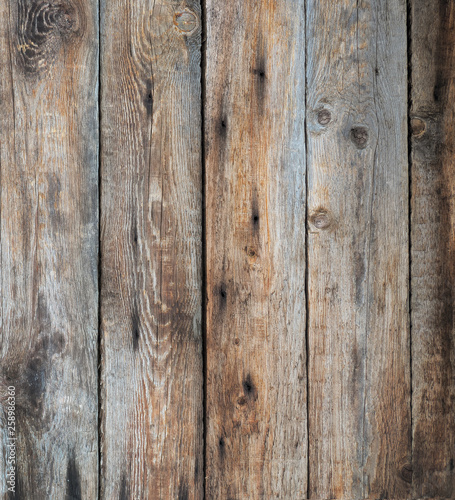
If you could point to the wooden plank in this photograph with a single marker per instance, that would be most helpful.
(359, 352)
(433, 247)
(255, 222)
(151, 224)
(49, 249)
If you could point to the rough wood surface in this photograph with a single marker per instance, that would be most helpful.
(49, 243)
(255, 185)
(316, 386)
(433, 246)
(151, 224)
(359, 352)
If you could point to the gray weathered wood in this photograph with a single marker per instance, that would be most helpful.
(433, 247)
(359, 353)
(49, 243)
(255, 163)
(151, 224)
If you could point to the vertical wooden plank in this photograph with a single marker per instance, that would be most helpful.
(49, 244)
(359, 352)
(255, 221)
(151, 223)
(433, 247)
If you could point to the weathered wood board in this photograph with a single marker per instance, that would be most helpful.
(49, 244)
(329, 249)
(151, 243)
(358, 267)
(433, 247)
(256, 443)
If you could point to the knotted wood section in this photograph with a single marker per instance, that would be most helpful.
(358, 262)
(151, 248)
(49, 244)
(255, 186)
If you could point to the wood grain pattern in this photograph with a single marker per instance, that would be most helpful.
(49, 243)
(359, 352)
(151, 224)
(317, 384)
(255, 163)
(433, 247)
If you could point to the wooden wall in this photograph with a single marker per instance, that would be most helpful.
(227, 249)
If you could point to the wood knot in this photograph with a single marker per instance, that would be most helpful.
(418, 127)
(186, 21)
(321, 219)
(43, 27)
(251, 253)
(406, 473)
(324, 117)
(359, 136)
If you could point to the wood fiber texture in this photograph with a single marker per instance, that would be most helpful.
(256, 443)
(227, 249)
(151, 243)
(432, 122)
(49, 243)
(358, 267)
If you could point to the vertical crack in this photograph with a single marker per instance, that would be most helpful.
(100, 341)
(409, 97)
(307, 302)
(204, 242)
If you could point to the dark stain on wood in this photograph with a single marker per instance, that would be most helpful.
(260, 83)
(135, 236)
(124, 493)
(35, 377)
(260, 74)
(196, 470)
(222, 129)
(54, 190)
(255, 221)
(148, 99)
(183, 491)
(222, 447)
(73, 480)
(222, 292)
(19, 494)
(249, 389)
(443, 53)
(135, 326)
